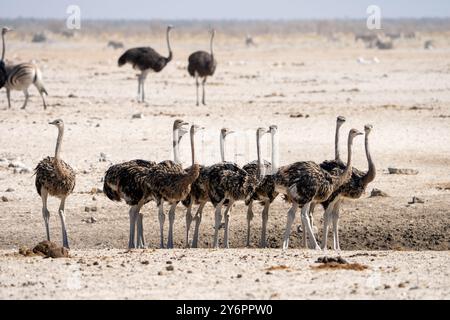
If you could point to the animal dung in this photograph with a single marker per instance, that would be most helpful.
(5, 199)
(403, 171)
(378, 193)
(89, 220)
(137, 116)
(49, 249)
(337, 263)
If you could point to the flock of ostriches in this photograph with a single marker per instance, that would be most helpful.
(303, 184)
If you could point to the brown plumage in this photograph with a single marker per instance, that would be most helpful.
(56, 178)
(232, 185)
(306, 182)
(125, 181)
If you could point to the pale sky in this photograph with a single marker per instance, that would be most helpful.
(226, 9)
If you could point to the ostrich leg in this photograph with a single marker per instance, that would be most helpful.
(25, 92)
(326, 223)
(139, 87)
(8, 96)
(62, 216)
(188, 222)
(226, 232)
(45, 212)
(218, 220)
(335, 217)
(198, 220)
(203, 91)
(307, 224)
(290, 220)
(196, 85)
(162, 218)
(140, 226)
(249, 220)
(265, 218)
(133, 216)
(171, 221)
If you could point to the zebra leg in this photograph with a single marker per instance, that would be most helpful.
(25, 92)
(203, 92)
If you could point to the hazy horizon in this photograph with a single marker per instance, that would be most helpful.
(229, 10)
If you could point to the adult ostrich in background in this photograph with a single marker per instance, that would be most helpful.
(56, 178)
(202, 64)
(3, 74)
(304, 183)
(146, 59)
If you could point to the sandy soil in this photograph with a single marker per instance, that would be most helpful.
(406, 97)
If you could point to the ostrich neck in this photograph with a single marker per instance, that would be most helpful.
(168, 46)
(176, 146)
(261, 170)
(194, 158)
(222, 147)
(275, 155)
(3, 45)
(337, 153)
(346, 174)
(211, 45)
(370, 175)
(59, 143)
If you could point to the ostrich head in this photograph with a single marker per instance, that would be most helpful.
(340, 120)
(169, 27)
(261, 131)
(5, 30)
(181, 126)
(354, 132)
(368, 128)
(213, 32)
(225, 131)
(273, 129)
(196, 128)
(58, 123)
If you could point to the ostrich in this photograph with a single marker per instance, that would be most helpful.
(202, 64)
(265, 191)
(306, 182)
(20, 77)
(353, 189)
(199, 192)
(146, 59)
(56, 178)
(232, 185)
(3, 73)
(172, 185)
(119, 183)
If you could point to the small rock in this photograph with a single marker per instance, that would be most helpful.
(169, 262)
(160, 273)
(145, 262)
(5, 199)
(239, 276)
(403, 171)
(94, 209)
(137, 116)
(71, 95)
(87, 209)
(416, 200)
(378, 193)
(170, 268)
(95, 263)
(9, 190)
(103, 157)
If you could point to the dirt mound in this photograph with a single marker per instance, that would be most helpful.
(46, 249)
(337, 263)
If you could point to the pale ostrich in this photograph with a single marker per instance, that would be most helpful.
(199, 192)
(232, 185)
(172, 185)
(21, 76)
(353, 189)
(306, 182)
(56, 178)
(202, 64)
(265, 191)
(146, 59)
(119, 183)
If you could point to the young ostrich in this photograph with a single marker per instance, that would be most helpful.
(119, 183)
(306, 182)
(353, 189)
(233, 185)
(202, 64)
(146, 59)
(56, 178)
(265, 191)
(172, 185)
(20, 77)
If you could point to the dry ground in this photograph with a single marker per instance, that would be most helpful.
(406, 97)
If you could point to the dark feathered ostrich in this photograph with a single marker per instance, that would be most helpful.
(232, 185)
(146, 59)
(306, 182)
(353, 189)
(56, 178)
(121, 182)
(202, 64)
